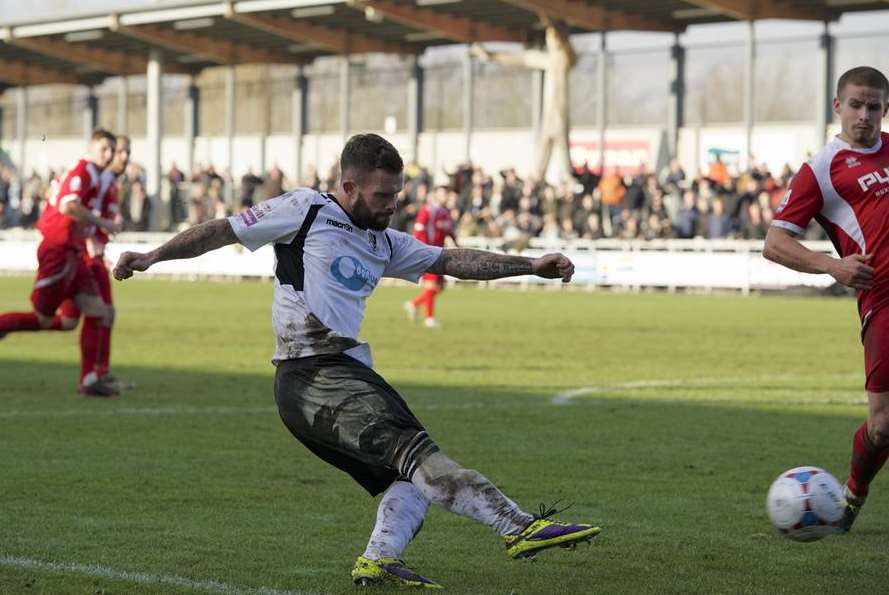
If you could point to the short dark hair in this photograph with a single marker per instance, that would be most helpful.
(100, 133)
(865, 76)
(367, 152)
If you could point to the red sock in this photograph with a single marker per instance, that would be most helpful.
(103, 362)
(89, 345)
(56, 323)
(419, 300)
(867, 459)
(19, 321)
(430, 302)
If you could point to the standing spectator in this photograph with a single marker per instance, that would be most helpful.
(753, 227)
(140, 206)
(651, 228)
(687, 218)
(592, 228)
(636, 198)
(628, 227)
(4, 194)
(672, 177)
(587, 207)
(550, 230)
(274, 183)
(249, 183)
(586, 178)
(719, 224)
(718, 173)
(510, 192)
(611, 192)
(175, 177)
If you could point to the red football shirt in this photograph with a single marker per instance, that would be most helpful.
(433, 225)
(107, 202)
(80, 184)
(846, 190)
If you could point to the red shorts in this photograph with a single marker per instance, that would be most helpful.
(433, 278)
(875, 337)
(99, 271)
(61, 274)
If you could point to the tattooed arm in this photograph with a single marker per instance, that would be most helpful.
(478, 264)
(188, 244)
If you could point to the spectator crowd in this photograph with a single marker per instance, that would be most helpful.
(503, 205)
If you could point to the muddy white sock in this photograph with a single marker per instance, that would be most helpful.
(469, 493)
(399, 517)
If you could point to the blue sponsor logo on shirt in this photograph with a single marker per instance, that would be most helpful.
(351, 274)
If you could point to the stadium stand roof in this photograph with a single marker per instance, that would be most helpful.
(195, 35)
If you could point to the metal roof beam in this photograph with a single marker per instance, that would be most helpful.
(118, 63)
(451, 26)
(329, 38)
(748, 10)
(220, 51)
(21, 73)
(594, 18)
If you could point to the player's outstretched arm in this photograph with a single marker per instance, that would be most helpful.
(77, 211)
(464, 263)
(192, 242)
(783, 248)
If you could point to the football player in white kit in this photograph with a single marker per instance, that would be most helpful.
(331, 251)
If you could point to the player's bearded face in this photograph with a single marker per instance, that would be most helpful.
(376, 196)
(861, 110)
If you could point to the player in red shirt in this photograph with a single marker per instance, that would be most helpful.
(66, 221)
(845, 187)
(95, 337)
(432, 226)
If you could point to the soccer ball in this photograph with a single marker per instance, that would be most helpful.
(806, 503)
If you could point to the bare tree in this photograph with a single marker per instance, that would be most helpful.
(556, 62)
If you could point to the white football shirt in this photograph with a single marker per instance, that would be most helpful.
(326, 266)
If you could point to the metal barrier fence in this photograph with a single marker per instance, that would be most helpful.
(700, 265)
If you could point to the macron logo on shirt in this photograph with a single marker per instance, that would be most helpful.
(339, 224)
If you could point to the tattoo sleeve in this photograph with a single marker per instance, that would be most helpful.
(197, 240)
(477, 264)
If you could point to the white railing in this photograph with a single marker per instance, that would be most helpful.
(666, 264)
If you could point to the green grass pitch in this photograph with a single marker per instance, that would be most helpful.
(190, 483)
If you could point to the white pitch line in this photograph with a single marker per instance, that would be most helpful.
(567, 397)
(139, 577)
(562, 398)
(137, 411)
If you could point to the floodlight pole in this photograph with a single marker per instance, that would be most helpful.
(345, 96)
(299, 108)
(749, 97)
(415, 89)
(154, 131)
(122, 107)
(21, 128)
(192, 123)
(601, 98)
(90, 113)
(536, 103)
(468, 103)
(825, 91)
(230, 135)
(676, 105)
